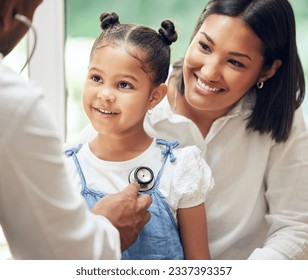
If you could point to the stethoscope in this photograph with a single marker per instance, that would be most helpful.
(143, 176)
(26, 21)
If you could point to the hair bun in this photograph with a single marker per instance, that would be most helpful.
(108, 20)
(167, 31)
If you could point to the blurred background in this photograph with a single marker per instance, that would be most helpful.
(82, 27)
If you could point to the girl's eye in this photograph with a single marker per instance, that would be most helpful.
(96, 79)
(236, 63)
(125, 85)
(204, 46)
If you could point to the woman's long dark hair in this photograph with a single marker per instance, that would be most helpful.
(274, 23)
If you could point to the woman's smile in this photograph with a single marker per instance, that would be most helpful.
(205, 88)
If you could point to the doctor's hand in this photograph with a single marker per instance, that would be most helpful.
(126, 211)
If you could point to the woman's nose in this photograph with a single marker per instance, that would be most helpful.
(211, 70)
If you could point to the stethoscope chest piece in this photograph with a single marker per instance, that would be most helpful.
(143, 176)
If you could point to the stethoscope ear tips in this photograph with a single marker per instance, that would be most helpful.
(143, 176)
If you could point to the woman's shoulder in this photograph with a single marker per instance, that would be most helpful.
(300, 119)
(190, 151)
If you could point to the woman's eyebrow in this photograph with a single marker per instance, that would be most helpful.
(208, 38)
(232, 53)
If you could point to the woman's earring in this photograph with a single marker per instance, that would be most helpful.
(150, 111)
(260, 85)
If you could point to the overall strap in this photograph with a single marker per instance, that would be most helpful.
(168, 151)
(72, 152)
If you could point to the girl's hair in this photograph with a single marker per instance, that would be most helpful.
(274, 23)
(155, 46)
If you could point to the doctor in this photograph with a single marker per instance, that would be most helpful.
(41, 216)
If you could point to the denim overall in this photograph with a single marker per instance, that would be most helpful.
(159, 239)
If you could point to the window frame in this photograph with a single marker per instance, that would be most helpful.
(48, 71)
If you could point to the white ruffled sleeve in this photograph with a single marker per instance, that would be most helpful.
(192, 178)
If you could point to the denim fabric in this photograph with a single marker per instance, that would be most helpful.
(159, 239)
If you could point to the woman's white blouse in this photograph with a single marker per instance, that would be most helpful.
(258, 208)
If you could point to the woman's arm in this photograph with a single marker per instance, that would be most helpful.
(193, 232)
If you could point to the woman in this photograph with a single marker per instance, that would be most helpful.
(237, 97)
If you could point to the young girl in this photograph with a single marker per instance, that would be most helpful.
(127, 70)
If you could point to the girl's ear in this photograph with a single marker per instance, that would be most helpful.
(157, 95)
(268, 73)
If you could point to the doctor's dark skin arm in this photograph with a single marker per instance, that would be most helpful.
(126, 211)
